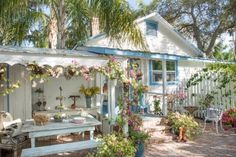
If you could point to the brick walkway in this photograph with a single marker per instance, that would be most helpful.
(209, 144)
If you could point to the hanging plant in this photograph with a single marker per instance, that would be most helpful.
(6, 86)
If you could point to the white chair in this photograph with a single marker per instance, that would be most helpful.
(214, 115)
(11, 137)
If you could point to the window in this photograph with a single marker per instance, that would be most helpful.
(170, 71)
(156, 72)
(151, 28)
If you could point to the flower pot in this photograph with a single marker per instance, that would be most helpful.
(140, 150)
(135, 108)
(141, 100)
(88, 101)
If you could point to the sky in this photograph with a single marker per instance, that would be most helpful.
(133, 3)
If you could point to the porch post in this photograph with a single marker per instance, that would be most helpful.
(111, 99)
(164, 83)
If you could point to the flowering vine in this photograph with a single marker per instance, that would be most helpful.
(6, 86)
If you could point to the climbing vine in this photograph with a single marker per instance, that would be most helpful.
(221, 73)
(6, 86)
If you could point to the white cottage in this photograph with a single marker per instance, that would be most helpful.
(171, 61)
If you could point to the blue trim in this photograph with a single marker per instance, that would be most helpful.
(8, 96)
(150, 76)
(135, 54)
(168, 83)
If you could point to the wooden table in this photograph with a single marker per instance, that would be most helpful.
(55, 128)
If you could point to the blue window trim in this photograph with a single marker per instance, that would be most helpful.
(168, 83)
(152, 23)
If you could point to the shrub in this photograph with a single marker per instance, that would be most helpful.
(229, 117)
(177, 120)
(115, 145)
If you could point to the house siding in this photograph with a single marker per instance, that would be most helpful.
(164, 42)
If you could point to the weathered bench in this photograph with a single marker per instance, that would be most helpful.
(59, 148)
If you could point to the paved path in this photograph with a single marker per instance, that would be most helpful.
(209, 144)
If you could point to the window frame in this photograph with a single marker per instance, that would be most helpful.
(147, 22)
(151, 82)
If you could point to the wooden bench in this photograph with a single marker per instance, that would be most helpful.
(59, 148)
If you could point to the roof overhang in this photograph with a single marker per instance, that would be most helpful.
(133, 54)
(51, 57)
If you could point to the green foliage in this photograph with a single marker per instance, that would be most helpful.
(115, 145)
(177, 120)
(67, 20)
(6, 86)
(220, 52)
(203, 20)
(145, 9)
(206, 100)
(138, 136)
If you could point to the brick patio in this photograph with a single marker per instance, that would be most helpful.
(209, 144)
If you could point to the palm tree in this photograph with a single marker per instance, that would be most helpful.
(64, 23)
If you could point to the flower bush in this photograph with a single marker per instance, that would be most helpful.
(177, 120)
(181, 96)
(115, 145)
(229, 117)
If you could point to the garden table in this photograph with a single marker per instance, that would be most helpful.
(55, 128)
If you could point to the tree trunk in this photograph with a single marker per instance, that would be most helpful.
(61, 25)
(53, 30)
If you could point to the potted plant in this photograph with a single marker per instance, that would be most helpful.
(59, 116)
(89, 93)
(157, 108)
(139, 138)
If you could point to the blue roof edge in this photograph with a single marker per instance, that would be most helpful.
(146, 55)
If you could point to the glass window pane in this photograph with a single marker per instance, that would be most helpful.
(170, 76)
(170, 65)
(156, 65)
(151, 28)
(157, 77)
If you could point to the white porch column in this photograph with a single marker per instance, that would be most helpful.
(111, 99)
(164, 83)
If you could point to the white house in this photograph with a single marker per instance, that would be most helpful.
(171, 61)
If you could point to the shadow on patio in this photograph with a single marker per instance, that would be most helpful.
(209, 144)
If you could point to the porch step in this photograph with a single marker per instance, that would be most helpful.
(151, 121)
